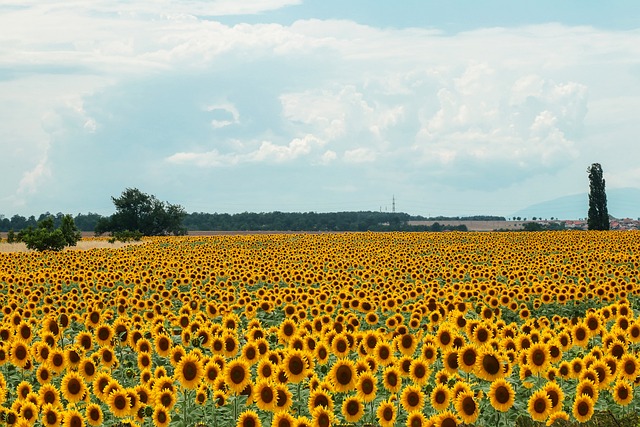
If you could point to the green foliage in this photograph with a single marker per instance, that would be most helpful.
(125, 236)
(45, 237)
(11, 236)
(598, 217)
(143, 213)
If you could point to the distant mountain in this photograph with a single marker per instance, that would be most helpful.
(621, 203)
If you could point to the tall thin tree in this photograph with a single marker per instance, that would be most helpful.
(598, 218)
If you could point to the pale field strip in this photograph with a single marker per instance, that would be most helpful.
(82, 245)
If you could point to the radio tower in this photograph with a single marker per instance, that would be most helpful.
(393, 204)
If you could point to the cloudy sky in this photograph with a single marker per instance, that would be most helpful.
(455, 108)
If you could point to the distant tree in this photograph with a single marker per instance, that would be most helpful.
(143, 213)
(45, 237)
(598, 217)
(11, 236)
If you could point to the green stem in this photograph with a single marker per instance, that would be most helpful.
(299, 398)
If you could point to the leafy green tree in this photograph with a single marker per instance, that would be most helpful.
(140, 212)
(598, 217)
(11, 236)
(45, 237)
(69, 230)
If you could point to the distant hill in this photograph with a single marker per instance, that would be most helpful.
(621, 203)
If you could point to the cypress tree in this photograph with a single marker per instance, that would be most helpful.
(598, 218)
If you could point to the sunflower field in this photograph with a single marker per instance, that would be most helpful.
(300, 330)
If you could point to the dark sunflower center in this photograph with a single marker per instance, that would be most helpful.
(344, 375)
(491, 364)
(121, 402)
(540, 406)
(74, 386)
(387, 413)
(21, 353)
(583, 408)
(266, 395)
(468, 405)
(353, 407)
(538, 358)
(384, 353)
(413, 399)
(237, 374)
(296, 365)
(469, 357)
(367, 386)
(502, 394)
(321, 400)
(623, 393)
(440, 397)
(189, 371)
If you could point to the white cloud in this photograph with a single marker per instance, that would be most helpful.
(267, 152)
(490, 107)
(360, 155)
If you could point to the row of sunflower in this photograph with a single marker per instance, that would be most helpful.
(388, 329)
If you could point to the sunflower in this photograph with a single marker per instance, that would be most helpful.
(538, 358)
(440, 397)
(56, 360)
(367, 386)
(352, 409)
(429, 352)
(237, 375)
(622, 392)
(320, 397)
(386, 413)
(340, 345)
(107, 357)
(444, 338)
(628, 367)
(391, 379)
(539, 406)
(20, 353)
(144, 360)
(166, 398)
(296, 365)
(466, 407)
(73, 387)
(119, 403)
(73, 418)
(556, 395)
(266, 369)
(48, 393)
(450, 359)
(249, 419)
(583, 408)
(283, 397)
(407, 344)
(104, 334)
(161, 416)
(489, 365)
(467, 357)
(23, 389)
(322, 353)
(322, 417)
(29, 412)
(94, 415)
(419, 371)
(343, 375)
(189, 371)
(383, 354)
(250, 353)
(50, 416)
(99, 384)
(265, 395)
(580, 335)
(446, 419)
(416, 419)
(589, 388)
(412, 398)
(162, 345)
(286, 331)
(501, 395)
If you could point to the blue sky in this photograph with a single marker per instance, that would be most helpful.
(454, 108)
